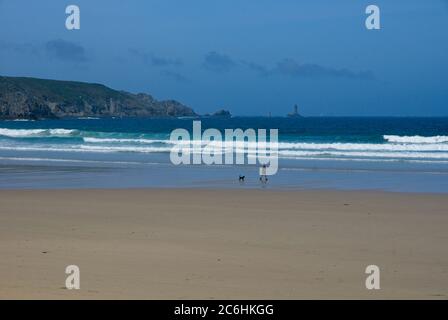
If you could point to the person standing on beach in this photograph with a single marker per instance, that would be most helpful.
(263, 176)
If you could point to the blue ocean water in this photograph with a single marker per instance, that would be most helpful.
(396, 154)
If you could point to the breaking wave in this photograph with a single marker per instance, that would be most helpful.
(73, 140)
(23, 133)
(415, 139)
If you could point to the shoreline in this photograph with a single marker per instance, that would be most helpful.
(157, 173)
(222, 244)
(234, 189)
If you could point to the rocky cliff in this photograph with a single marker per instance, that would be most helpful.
(31, 98)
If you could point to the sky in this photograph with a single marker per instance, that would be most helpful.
(252, 57)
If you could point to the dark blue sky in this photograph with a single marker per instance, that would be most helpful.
(250, 56)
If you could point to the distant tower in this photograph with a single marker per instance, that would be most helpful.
(295, 113)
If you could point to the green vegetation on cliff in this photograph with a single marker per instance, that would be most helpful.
(31, 98)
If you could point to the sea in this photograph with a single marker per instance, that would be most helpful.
(343, 153)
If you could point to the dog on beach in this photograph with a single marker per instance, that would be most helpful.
(241, 178)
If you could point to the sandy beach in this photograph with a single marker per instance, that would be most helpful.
(222, 244)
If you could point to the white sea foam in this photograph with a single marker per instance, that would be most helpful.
(19, 133)
(415, 139)
(77, 161)
(82, 148)
(124, 149)
(24, 133)
(364, 146)
(120, 140)
(283, 145)
(62, 132)
(395, 147)
(328, 154)
(396, 155)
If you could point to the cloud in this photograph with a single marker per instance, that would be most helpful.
(20, 48)
(154, 60)
(287, 67)
(218, 62)
(261, 70)
(174, 75)
(290, 67)
(65, 50)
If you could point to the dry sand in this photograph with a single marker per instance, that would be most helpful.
(222, 244)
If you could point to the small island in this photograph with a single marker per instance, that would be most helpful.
(219, 114)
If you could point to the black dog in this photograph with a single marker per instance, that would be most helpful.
(241, 178)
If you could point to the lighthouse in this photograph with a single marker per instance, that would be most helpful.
(295, 113)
